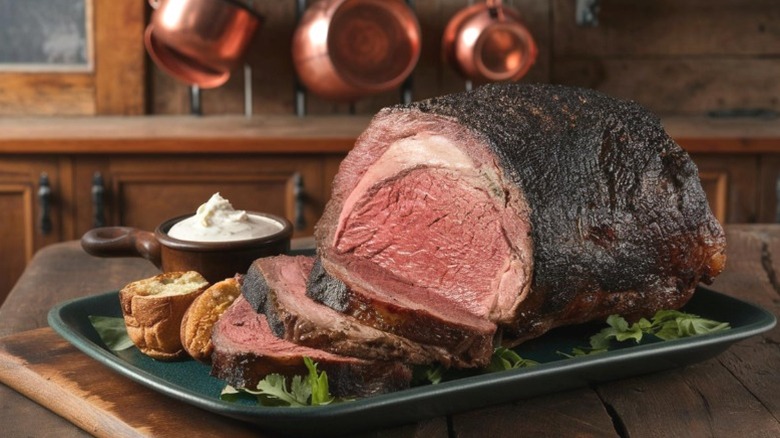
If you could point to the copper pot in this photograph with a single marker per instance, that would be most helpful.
(347, 49)
(200, 42)
(489, 42)
(216, 261)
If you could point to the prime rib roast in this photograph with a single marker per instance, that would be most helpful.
(494, 215)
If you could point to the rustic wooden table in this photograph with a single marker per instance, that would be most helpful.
(734, 394)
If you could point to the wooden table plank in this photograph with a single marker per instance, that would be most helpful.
(46, 368)
(732, 395)
(699, 400)
(572, 413)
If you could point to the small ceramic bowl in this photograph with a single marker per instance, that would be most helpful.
(216, 261)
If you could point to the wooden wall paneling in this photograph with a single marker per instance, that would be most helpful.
(679, 85)
(23, 93)
(271, 60)
(120, 68)
(741, 175)
(676, 57)
(670, 28)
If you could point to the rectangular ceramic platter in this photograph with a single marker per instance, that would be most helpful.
(190, 381)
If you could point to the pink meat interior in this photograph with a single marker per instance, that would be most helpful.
(440, 225)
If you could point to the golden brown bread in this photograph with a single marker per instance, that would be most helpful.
(201, 316)
(154, 307)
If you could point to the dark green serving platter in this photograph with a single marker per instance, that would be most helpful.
(190, 382)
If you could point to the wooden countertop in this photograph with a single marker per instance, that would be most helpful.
(733, 394)
(291, 134)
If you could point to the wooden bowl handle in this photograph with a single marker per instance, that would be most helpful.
(122, 242)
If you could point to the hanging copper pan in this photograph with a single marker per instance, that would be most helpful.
(347, 49)
(489, 42)
(200, 42)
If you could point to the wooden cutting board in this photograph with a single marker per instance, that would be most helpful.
(49, 370)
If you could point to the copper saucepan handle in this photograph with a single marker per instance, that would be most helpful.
(122, 242)
(496, 8)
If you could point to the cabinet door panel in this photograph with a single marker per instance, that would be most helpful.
(730, 183)
(20, 233)
(769, 189)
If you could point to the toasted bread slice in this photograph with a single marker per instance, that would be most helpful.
(154, 307)
(201, 316)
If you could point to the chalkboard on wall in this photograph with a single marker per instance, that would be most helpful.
(45, 35)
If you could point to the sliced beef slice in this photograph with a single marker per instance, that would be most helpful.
(529, 206)
(295, 317)
(466, 339)
(245, 351)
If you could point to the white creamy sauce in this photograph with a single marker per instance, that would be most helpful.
(218, 221)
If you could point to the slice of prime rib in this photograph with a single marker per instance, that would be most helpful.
(527, 206)
(276, 286)
(245, 351)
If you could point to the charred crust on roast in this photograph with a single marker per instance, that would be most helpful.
(326, 289)
(276, 321)
(254, 288)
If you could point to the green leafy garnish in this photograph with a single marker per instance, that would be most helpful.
(665, 325)
(112, 332)
(673, 324)
(318, 380)
(274, 390)
(506, 359)
(502, 359)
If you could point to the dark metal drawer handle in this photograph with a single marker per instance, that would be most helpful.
(98, 202)
(44, 200)
(299, 194)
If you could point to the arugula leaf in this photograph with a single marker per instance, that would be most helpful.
(665, 325)
(506, 359)
(672, 324)
(112, 332)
